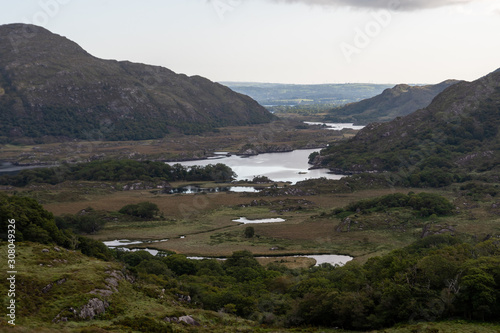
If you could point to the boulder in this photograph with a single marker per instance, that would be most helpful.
(93, 308)
(189, 320)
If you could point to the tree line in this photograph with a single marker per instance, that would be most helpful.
(120, 170)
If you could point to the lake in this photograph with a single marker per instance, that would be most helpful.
(244, 220)
(280, 167)
(191, 189)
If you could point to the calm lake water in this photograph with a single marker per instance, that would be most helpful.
(335, 126)
(244, 220)
(290, 166)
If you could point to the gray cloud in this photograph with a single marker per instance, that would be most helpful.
(401, 5)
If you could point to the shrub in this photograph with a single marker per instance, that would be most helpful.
(93, 248)
(142, 209)
(249, 232)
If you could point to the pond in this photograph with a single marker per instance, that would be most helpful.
(190, 189)
(244, 220)
(335, 126)
(332, 259)
(290, 166)
(121, 243)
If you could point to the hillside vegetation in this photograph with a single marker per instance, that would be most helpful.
(94, 289)
(456, 138)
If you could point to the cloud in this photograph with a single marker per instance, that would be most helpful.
(401, 5)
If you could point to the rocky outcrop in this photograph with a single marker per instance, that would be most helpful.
(89, 311)
(93, 308)
(48, 287)
(96, 305)
(436, 229)
(184, 319)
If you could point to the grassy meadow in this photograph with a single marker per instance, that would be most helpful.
(205, 220)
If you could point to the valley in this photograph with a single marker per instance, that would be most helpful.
(282, 135)
(102, 151)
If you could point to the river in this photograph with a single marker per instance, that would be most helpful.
(332, 259)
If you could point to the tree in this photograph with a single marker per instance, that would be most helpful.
(478, 293)
(32, 221)
(249, 232)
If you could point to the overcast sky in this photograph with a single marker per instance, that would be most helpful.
(284, 41)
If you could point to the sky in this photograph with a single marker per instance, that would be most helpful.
(282, 41)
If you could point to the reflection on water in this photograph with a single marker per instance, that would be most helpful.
(121, 242)
(11, 169)
(244, 220)
(332, 259)
(190, 189)
(282, 167)
(335, 126)
(125, 242)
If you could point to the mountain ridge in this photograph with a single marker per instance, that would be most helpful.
(52, 89)
(398, 101)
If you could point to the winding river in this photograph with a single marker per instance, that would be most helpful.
(332, 259)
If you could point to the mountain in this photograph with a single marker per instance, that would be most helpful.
(398, 101)
(50, 88)
(305, 94)
(457, 134)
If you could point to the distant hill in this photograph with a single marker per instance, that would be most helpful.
(458, 131)
(398, 101)
(52, 89)
(306, 94)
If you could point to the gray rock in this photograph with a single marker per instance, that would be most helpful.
(189, 320)
(171, 319)
(184, 298)
(184, 319)
(47, 288)
(93, 308)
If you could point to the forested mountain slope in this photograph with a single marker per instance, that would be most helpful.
(458, 131)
